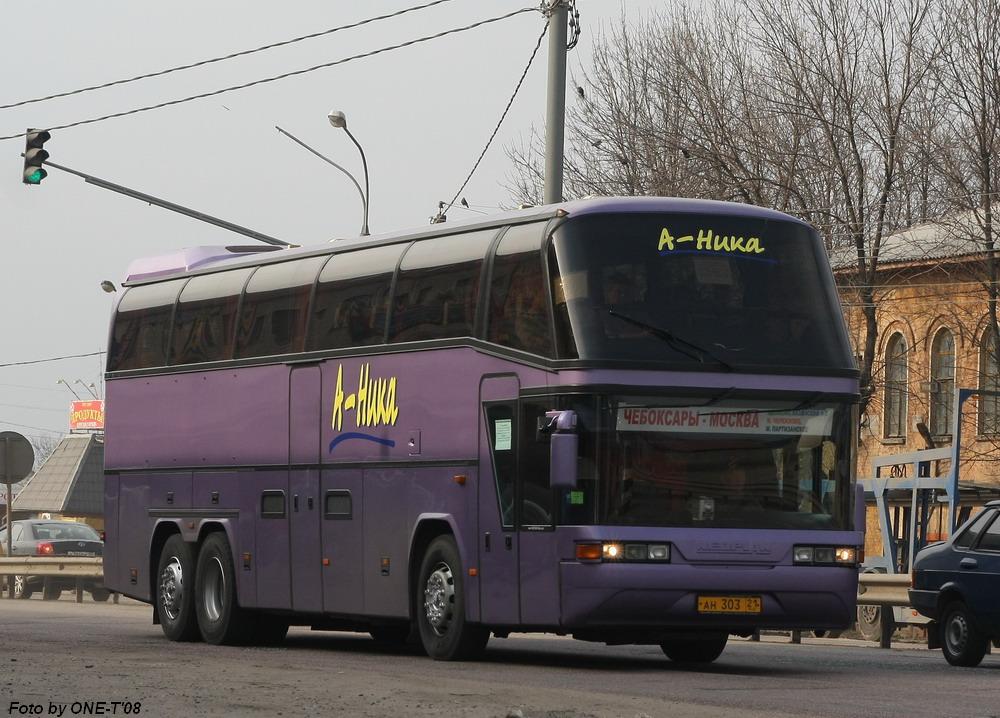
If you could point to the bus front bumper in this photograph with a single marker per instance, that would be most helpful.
(666, 596)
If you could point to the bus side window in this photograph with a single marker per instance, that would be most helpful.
(273, 316)
(499, 421)
(142, 326)
(205, 320)
(533, 467)
(352, 298)
(438, 287)
(518, 306)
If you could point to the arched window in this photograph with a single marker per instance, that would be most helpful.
(942, 381)
(895, 387)
(989, 380)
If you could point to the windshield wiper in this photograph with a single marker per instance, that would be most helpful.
(673, 341)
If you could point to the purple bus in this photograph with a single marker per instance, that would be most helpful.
(623, 420)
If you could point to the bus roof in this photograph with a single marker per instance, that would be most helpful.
(196, 258)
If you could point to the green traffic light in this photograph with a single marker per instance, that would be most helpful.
(36, 177)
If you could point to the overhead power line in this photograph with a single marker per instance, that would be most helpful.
(221, 58)
(503, 116)
(28, 426)
(42, 361)
(284, 75)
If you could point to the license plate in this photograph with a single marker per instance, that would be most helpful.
(79, 553)
(729, 604)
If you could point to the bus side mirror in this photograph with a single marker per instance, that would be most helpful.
(562, 449)
(860, 510)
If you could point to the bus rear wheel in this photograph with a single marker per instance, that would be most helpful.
(439, 603)
(220, 618)
(695, 650)
(175, 591)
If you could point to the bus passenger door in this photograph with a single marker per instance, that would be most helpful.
(539, 556)
(498, 545)
(305, 502)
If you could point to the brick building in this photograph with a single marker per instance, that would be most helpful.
(933, 338)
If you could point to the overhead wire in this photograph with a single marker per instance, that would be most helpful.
(43, 361)
(221, 58)
(503, 116)
(284, 75)
(28, 426)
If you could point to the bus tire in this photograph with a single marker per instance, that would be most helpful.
(100, 594)
(439, 603)
(961, 642)
(695, 650)
(220, 619)
(174, 592)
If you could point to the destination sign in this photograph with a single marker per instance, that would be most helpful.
(715, 420)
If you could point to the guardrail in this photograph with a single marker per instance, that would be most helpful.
(78, 567)
(883, 589)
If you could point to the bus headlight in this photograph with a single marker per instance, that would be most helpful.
(825, 555)
(619, 552)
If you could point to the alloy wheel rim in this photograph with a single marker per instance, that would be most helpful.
(439, 598)
(172, 588)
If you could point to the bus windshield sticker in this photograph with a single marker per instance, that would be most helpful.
(373, 404)
(706, 241)
(807, 422)
(503, 434)
(576, 498)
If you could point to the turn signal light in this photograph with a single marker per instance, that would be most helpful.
(588, 552)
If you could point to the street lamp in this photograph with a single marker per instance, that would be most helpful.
(66, 384)
(339, 120)
(108, 287)
(89, 387)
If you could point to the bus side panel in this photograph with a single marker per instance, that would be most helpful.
(394, 500)
(386, 492)
(134, 534)
(222, 490)
(112, 577)
(219, 418)
(271, 563)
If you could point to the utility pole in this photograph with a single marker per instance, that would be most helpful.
(555, 110)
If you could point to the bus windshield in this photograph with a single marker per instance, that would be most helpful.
(714, 292)
(748, 463)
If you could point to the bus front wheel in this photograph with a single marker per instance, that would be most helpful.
(220, 618)
(440, 605)
(175, 591)
(695, 650)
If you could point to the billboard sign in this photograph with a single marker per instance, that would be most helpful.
(86, 415)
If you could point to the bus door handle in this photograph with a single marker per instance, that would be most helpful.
(508, 541)
(295, 502)
(309, 503)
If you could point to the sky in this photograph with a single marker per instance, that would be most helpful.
(423, 114)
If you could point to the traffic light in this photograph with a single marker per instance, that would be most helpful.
(35, 156)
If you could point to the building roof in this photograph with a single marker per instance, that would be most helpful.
(71, 481)
(952, 238)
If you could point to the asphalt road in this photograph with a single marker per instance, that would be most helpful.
(63, 654)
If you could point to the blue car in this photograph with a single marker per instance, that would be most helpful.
(957, 584)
